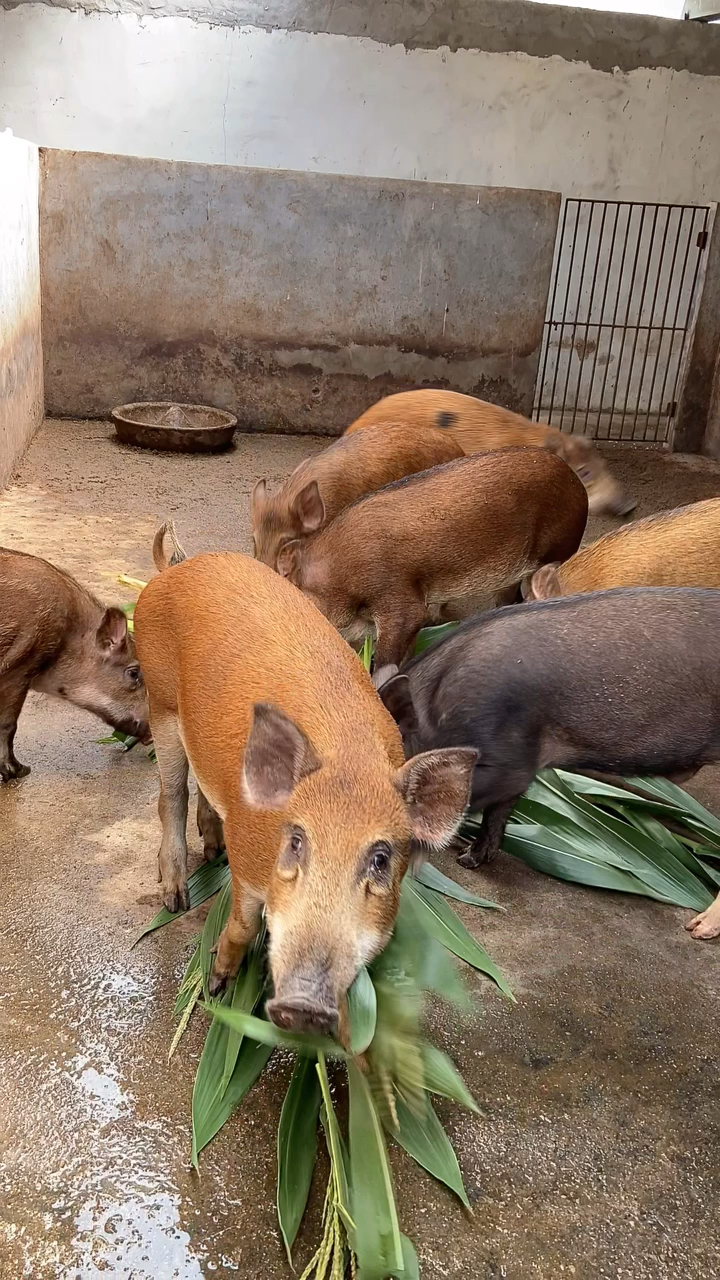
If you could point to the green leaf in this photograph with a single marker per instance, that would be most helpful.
(377, 1235)
(441, 922)
(267, 1033)
(202, 884)
(362, 1010)
(297, 1148)
(431, 635)
(411, 1267)
(211, 1106)
(429, 875)
(442, 1077)
(424, 1138)
(549, 853)
(247, 992)
(339, 1162)
(213, 927)
(559, 832)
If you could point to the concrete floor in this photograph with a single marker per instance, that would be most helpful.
(597, 1155)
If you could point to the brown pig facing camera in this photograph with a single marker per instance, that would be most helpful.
(321, 487)
(56, 638)
(477, 426)
(293, 749)
(439, 545)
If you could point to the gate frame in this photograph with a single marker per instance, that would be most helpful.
(701, 331)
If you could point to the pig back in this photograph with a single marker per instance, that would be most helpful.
(357, 465)
(620, 681)
(475, 424)
(678, 548)
(218, 633)
(41, 606)
(475, 524)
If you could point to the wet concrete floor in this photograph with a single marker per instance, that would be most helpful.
(597, 1155)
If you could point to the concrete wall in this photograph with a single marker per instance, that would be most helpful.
(21, 386)
(493, 92)
(296, 300)
(697, 428)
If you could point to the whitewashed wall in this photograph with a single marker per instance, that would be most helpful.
(173, 88)
(21, 373)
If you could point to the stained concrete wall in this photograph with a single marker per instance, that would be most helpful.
(21, 385)
(295, 300)
(697, 428)
(494, 92)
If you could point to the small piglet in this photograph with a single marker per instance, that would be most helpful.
(56, 638)
(477, 425)
(321, 487)
(439, 545)
(616, 682)
(295, 753)
(679, 548)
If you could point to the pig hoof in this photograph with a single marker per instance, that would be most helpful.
(13, 769)
(176, 900)
(474, 856)
(706, 925)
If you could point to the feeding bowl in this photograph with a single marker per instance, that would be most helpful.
(183, 428)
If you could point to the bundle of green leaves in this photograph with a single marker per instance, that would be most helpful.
(391, 1070)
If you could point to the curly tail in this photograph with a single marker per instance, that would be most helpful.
(177, 554)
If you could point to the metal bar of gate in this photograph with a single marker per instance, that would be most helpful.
(645, 265)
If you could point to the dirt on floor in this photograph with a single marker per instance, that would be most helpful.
(597, 1153)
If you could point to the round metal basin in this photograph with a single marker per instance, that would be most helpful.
(182, 428)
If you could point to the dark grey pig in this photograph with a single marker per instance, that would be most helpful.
(56, 638)
(617, 682)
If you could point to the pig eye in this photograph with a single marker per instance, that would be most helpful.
(380, 860)
(133, 676)
(296, 843)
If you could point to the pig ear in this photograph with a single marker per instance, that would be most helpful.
(545, 583)
(396, 695)
(287, 559)
(259, 498)
(277, 756)
(309, 508)
(112, 633)
(436, 788)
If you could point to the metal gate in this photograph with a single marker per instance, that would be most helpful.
(624, 289)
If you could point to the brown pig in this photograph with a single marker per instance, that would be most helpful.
(439, 545)
(321, 487)
(294, 750)
(56, 638)
(679, 548)
(477, 426)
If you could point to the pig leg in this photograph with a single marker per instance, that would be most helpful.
(239, 932)
(397, 622)
(496, 787)
(173, 809)
(210, 827)
(487, 843)
(707, 924)
(12, 696)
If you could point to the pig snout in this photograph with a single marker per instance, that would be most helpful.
(305, 1005)
(134, 728)
(607, 498)
(625, 506)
